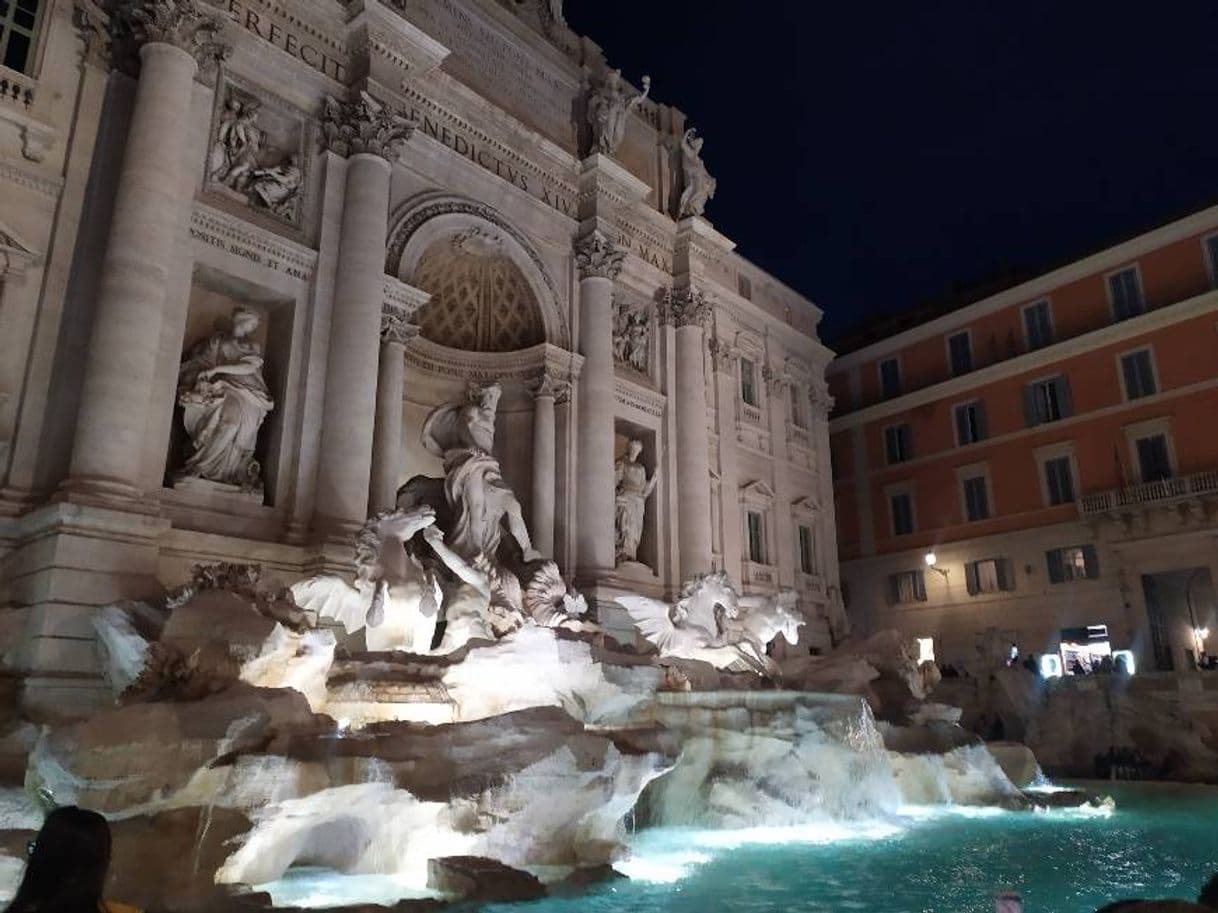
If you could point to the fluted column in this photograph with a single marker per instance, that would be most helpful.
(545, 394)
(598, 262)
(107, 453)
(688, 310)
(396, 334)
(369, 135)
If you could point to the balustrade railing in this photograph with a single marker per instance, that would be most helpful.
(1150, 494)
(15, 89)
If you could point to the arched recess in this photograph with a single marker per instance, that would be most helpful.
(422, 223)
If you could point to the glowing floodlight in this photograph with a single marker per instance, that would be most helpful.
(1050, 666)
(1201, 633)
(931, 559)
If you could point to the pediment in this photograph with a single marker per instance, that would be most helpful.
(15, 253)
(757, 490)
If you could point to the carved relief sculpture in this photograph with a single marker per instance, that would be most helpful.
(633, 490)
(697, 185)
(224, 402)
(609, 104)
(631, 336)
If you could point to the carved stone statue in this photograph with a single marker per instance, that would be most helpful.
(631, 336)
(224, 402)
(238, 143)
(633, 490)
(397, 588)
(609, 104)
(276, 187)
(696, 182)
(706, 624)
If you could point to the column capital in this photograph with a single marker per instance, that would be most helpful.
(185, 24)
(683, 307)
(598, 257)
(396, 327)
(552, 386)
(363, 126)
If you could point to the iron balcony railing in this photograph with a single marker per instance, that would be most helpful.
(1150, 494)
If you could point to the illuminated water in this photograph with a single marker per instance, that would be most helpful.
(1161, 841)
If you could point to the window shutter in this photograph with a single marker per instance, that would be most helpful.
(920, 586)
(1006, 574)
(970, 578)
(1053, 558)
(962, 424)
(1092, 561)
(1030, 412)
(894, 589)
(983, 431)
(1129, 369)
(1064, 401)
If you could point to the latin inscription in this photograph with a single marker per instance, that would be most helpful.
(247, 253)
(645, 253)
(302, 48)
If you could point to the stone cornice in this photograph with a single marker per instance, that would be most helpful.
(363, 126)
(521, 366)
(598, 257)
(209, 226)
(630, 393)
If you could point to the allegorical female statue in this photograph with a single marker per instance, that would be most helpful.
(224, 401)
(608, 106)
(697, 184)
(633, 490)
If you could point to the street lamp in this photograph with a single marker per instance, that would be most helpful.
(932, 562)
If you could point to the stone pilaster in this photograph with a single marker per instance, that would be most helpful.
(368, 134)
(723, 358)
(598, 261)
(546, 392)
(396, 334)
(175, 36)
(688, 310)
(783, 556)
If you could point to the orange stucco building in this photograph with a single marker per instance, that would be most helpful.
(1054, 447)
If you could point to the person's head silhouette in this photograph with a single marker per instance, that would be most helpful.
(67, 865)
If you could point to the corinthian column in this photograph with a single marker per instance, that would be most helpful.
(148, 211)
(598, 262)
(687, 310)
(369, 136)
(396, 334)
(545, 394)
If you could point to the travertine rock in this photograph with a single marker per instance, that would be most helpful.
(476, 878)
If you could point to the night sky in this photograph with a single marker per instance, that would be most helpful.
(876, 156)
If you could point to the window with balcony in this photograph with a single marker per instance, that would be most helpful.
(989, 575)
(960, 353)
(755, 522)
(901, 509)
(906, 587)
(1125, 293)
(748, 382)
(1138, 374)
(1038, 325)
(1059, 480)
(976, 497)
(890, 378)
(970, 423)
(1047, 400)
(19, 21)
(1154, 458)
(1074, 562)
(898, 444)
(807, 561)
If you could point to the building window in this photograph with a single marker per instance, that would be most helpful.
(1125, 290)
(744, 286)
(1059, 480)
(1047, 400)
(1074, 562)
(906, 587)
(1154, 457)
(990, 575)
(756, 529)
(976, 498)
(1211, 258)
(806, 563)
(960, 353)
(797, 406)
(1038, 325)
(748, 382)
(18, 28)
(901, 505)
(970, 423)
(890, 378)
(1138, 373)
(898, 444)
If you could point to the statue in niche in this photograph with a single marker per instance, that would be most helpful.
(482, 503)
(276, 187)
(633, 490)
(224, 401)
(609, 104)
(697, 184)
(631, 337)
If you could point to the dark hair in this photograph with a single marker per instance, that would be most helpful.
(1209, 893)
(67, 867)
